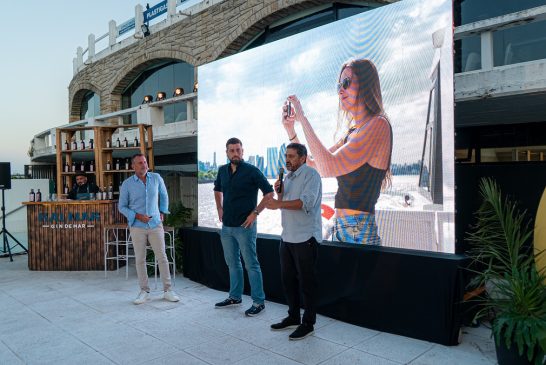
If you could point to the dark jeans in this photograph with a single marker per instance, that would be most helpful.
(299, 275)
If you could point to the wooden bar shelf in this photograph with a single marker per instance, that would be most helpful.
(69, 234)
(100, 153)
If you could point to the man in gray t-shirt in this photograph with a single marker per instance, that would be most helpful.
(299, 198)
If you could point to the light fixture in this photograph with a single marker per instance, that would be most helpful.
(145, 29)
(161, 95)
(195, 87)
(178, 91)
(147, 99)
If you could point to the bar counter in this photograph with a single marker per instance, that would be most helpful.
(67, 235)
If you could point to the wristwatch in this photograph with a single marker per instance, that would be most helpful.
(255, 211)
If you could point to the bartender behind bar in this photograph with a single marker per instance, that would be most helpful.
(83, 188)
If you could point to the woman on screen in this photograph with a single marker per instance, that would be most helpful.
(360, 159)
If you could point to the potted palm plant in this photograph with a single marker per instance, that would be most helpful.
(180, 217)
(503, 261)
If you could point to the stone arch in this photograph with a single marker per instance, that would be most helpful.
(259, 21)
(137, 65)
(266, 16)
(75, 103)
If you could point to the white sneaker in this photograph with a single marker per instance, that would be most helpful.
(142, 297)
(170, 296)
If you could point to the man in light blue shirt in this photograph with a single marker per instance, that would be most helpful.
(143, 200)
(299, 198)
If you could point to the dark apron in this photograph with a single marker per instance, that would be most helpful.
(83, 196)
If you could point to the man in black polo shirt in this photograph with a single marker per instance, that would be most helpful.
(236, 194)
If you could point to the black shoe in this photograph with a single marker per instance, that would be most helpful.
(228, 303)
(285, 324)
(254, 310)
(302, 331)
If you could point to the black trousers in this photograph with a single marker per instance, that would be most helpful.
(299, 278)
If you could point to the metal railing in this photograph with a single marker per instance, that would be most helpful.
(173, 11)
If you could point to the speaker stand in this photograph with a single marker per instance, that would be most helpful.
(5, 233)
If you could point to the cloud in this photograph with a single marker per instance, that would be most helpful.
(302, 62)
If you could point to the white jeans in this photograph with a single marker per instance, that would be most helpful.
(156, 238)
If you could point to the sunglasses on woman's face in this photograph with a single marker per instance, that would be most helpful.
(345, 83)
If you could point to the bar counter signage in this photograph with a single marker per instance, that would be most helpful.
(69, 235)
(68, 221)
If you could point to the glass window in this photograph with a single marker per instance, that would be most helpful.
(470, 11)
(166, 78)
(520, 44)
(468, 54)
(90, 105)
(501, 143)
(321, 17)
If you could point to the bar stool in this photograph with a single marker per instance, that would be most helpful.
(170, 250)
(117, 236)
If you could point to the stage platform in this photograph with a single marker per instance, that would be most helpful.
(410, 293)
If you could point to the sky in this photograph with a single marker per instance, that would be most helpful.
(39, 41)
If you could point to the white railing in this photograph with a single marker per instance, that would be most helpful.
(176, 10)
(43, 144)
(485, 29)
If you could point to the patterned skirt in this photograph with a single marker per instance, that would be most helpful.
(360, 229)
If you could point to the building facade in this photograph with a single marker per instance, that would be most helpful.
(500, 79)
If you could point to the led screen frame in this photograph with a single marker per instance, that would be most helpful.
(410, 43)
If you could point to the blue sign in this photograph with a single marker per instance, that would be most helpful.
(127, 26)
(155, 11)
(57, 220)
(148, 14)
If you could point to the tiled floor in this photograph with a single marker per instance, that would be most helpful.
(85, 318)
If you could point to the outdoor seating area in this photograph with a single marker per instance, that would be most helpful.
(82, 317)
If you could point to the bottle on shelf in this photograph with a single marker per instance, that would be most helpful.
(117, 164)
(82, 144)
(82, 166)
(110, 192)
(125, 143)
(66, 189)
(91, 143)
(118, 143)
(127, 164)
(66, 145)
(108, 143)
(92, 166)
(73, 166)
(108, 165)
(38, 196)
(66, 167)
(31, 196)
(136, 142)
(74, 145)
(104, 193)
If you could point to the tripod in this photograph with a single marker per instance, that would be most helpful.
(4, 232)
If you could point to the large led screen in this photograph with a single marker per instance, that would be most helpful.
(376, 93)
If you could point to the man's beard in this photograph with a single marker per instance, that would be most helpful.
(235, 162)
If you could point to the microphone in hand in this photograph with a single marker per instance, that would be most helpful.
(281, 176)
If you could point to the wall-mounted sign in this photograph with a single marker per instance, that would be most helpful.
(148, 14)
(155, 11)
